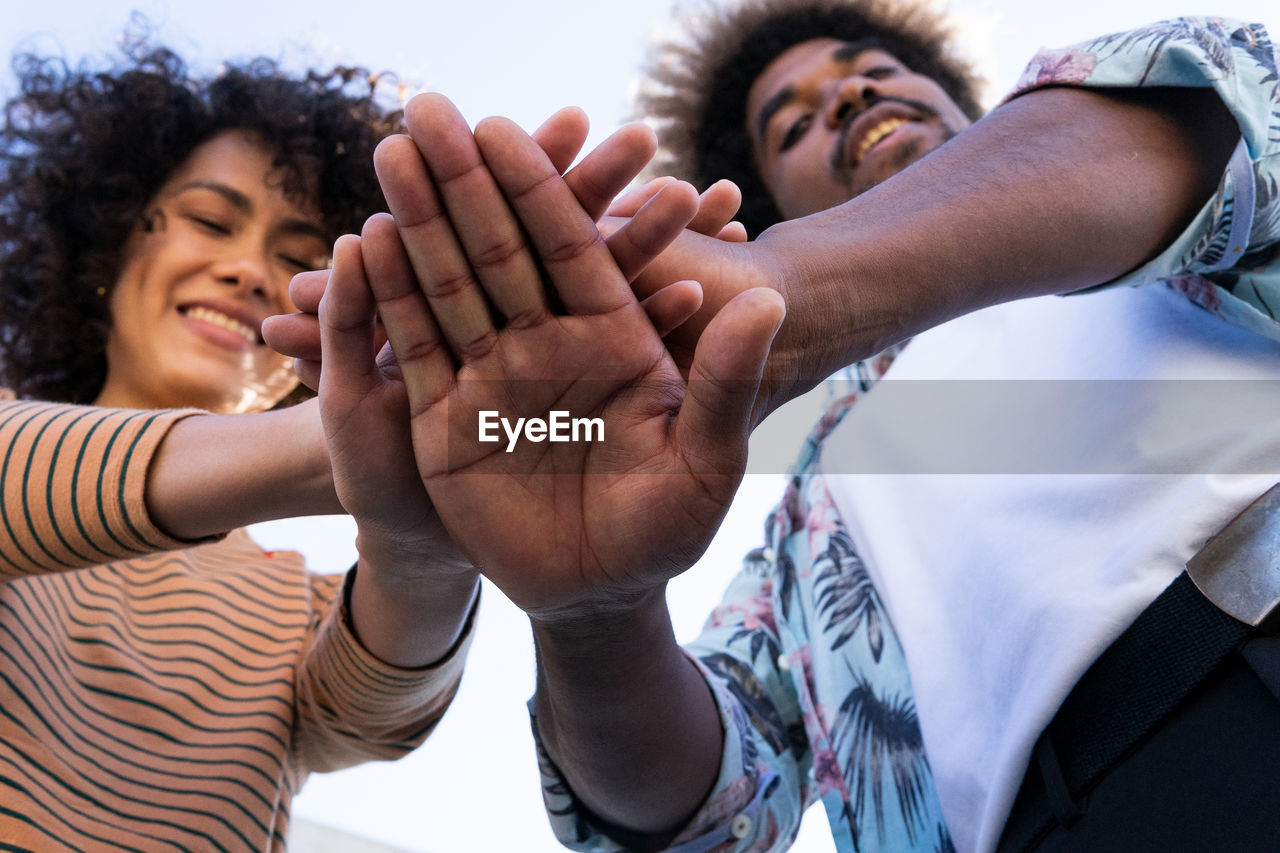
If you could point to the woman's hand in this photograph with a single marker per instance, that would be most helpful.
(413, 589)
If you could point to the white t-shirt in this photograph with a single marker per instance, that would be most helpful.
(1007, 563)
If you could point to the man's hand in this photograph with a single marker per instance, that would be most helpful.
(494, 320)
(633, 229)
(716, 208)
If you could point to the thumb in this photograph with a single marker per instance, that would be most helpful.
(715, 418)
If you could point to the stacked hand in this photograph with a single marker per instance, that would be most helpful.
(674, 304)
(363, 399)
(506, 299)
(498, 294)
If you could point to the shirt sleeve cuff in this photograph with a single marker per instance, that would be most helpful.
(354, 707)
(1234, 60)
(727, 815)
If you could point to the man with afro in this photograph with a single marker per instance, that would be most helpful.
(970, 626)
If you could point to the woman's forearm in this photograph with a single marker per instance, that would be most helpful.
(410, 609)
(213, 473)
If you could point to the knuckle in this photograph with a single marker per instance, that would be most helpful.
(526, 318)
(418, 219)
(519, 194)
(475, 167)
(572, 249)
(591, 189)
(497, 254)
(449, 285)
(419, 350)
(643, 237)
(477, 346)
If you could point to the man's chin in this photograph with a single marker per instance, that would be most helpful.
(888, 163)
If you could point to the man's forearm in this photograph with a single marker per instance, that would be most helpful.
(1057, 190)
(627, 718)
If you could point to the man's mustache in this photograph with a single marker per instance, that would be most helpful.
(837, 152)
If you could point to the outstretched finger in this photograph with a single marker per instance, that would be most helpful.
(717, 206)
(562, 136)
(715, 418)
(632, 200)
(346, 323)
(442, 273)
(491, 238)
(670, 307)
(610, 167)
(294, 335)
(306, 289)
(642, 238)
(565, 236)
(420, 350)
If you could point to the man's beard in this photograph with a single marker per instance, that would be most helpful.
(906, 155)
(904, 158)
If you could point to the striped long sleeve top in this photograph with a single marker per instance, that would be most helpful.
(156, 696)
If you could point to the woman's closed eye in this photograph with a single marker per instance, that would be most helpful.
(298, 264)
(210, 224)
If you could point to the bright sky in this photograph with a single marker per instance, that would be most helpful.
(473, 788)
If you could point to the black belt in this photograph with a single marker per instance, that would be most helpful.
(1226, 597)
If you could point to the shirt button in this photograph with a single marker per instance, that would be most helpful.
(740, 827)
(768, 555)
(783, 663)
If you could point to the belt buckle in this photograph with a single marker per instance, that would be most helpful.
(1238, 569)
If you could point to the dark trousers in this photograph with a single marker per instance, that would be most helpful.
(1205, 777)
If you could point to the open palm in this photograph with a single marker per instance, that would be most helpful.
(514, 306)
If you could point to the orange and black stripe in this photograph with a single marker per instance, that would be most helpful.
(159, 698)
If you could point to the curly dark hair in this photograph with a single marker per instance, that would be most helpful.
(695, 85)
(83, 152)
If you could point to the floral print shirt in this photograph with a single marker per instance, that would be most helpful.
(809, 677)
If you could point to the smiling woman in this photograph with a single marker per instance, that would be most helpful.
(164, 682)
(85, 155)
(211, 260)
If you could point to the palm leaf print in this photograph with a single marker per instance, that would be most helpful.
(745, 686)
(879, 735)
(1158, 36)
(846, 595)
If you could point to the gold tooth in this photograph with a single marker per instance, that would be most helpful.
(880, 131)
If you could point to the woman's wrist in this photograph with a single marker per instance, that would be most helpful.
(410, 619)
